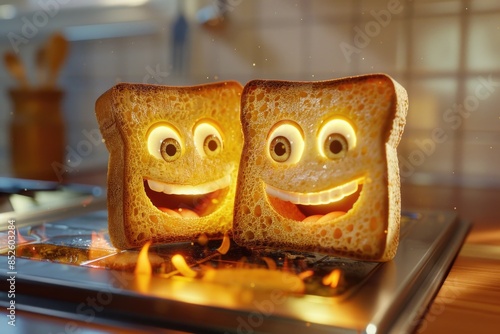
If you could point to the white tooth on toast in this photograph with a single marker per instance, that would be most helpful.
(187, 189)
(155, 186)
(322, 197)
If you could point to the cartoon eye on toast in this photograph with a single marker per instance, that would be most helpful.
(319, 169)
(173, 164)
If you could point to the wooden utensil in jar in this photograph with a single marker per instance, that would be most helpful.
(55, 54)
(16, 68)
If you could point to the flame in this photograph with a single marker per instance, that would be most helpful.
(305, 274)
(143, 269)
(271, 264)
(20, 239)
(333, 278)
(224, 247)
(203, 239)
(143, 266)
(180, 264)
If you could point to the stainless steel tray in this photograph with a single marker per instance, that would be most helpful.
(376, 298)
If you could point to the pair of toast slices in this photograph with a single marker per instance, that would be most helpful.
(307, 166)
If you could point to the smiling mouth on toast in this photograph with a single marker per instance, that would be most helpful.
(187, 201)
(319, 206)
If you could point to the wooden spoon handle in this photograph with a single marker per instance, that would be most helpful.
(41, 65)
(16, 68)
(57, 49)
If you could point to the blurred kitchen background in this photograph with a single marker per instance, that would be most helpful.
(446, 53)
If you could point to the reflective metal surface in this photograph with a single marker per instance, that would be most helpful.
(30, 202)
(63, 271)
(373, 297)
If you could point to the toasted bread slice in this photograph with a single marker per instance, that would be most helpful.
(174, 155)
(319, 169)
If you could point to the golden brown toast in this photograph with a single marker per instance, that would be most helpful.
(319, 169)
(174, 155)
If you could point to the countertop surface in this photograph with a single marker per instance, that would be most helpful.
(469, 300)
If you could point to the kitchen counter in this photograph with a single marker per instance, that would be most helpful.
(469, 300)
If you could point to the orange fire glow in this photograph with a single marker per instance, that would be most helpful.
(286, 265)
(143, 269)
(242, 263)
(271, 264)
(143, 266)
(87, 201)
(98, 245)
(226, 243)
(202, 239)
(20, 239)
(305, 274)
(333, 278)
(180, 264)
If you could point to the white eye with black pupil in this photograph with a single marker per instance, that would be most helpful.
(280, 149)
(164, 142)
(336, 138)
(212, 145)
(170, 149)
(335, 146)
(285, 143)
(207, 140)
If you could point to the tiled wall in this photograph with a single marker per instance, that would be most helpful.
(445, 52)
